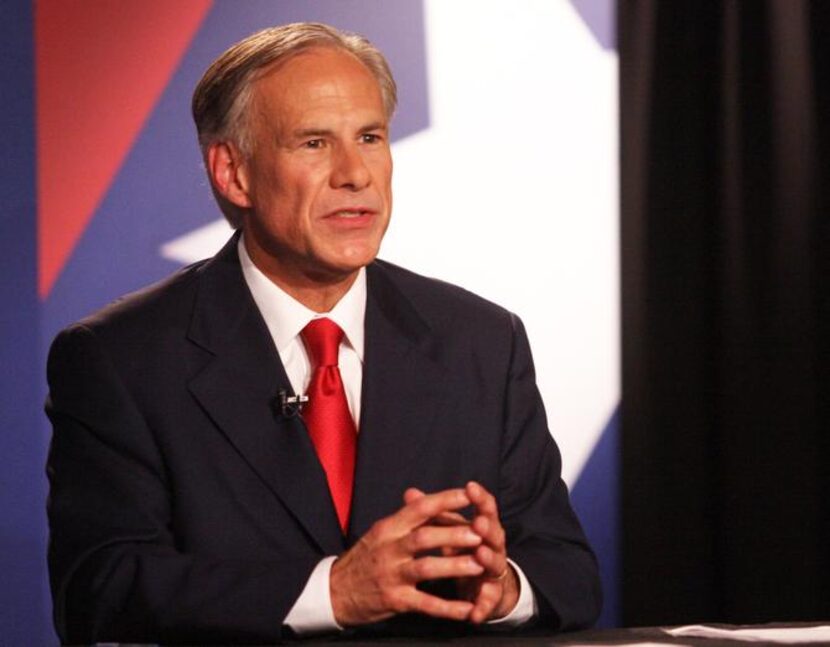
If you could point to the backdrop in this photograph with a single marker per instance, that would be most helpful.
(726, 239)
(505, 183)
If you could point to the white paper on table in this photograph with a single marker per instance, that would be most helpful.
(632, 644)
(784, 635)
(635, 644)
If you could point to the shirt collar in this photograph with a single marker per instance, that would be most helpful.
(286, 317)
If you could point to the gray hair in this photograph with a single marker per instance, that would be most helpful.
(221, 103)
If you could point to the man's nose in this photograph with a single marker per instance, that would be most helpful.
(349, 169)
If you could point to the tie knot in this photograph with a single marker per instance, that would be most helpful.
(322, 339)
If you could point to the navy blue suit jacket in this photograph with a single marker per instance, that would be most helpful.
(184, 508)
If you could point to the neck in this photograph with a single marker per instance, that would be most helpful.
(316, 290)
(319, 297)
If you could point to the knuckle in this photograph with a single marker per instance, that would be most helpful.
(420, 538)
(393, 600)
(367, 545)
(387, 599)
(416, 570)
(500, 537)
(380, 528)
(422, 569)
(422, 506)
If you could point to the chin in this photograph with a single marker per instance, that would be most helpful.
(354, 258)
(340, 269)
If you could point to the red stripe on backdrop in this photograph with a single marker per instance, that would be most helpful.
(101, 66)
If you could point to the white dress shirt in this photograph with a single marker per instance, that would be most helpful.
(285, 318)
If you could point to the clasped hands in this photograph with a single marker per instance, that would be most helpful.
(428, 539)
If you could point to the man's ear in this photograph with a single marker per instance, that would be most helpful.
(229, 174)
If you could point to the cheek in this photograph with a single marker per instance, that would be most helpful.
(387, 180)
(291, 201)
(306, 189)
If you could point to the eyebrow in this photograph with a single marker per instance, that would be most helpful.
(311, 132)
(376, 125)
(324, 132)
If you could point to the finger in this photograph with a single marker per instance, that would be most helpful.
(412, 494)
(443, 519)
(429, 506)
(416, 513)
(436, 568)
(482, 499)
(427, 537)
(450, 519)
(431, 605)
(494, 563)
(491, 532)
(488, 597)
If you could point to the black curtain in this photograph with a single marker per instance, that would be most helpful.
(726, 348)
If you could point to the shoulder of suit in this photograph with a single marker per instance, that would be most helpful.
(167, 300)
(134, 326)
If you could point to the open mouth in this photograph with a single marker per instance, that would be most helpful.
(350, 213)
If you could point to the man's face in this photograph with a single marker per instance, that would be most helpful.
(319, 178)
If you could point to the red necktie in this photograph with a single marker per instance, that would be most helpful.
(327, 416)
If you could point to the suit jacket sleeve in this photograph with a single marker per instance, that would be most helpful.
(116, 570)
(543, 535)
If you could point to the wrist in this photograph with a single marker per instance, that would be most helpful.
(339, 593)
(510, 594)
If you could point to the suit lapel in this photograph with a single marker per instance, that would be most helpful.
(238, 390)
(402, 386)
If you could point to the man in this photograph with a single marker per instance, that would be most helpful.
(196, 497)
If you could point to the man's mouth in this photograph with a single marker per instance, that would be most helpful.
(357, 215)
(349, 213)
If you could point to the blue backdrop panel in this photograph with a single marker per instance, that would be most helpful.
(595, 499)
(24, 609)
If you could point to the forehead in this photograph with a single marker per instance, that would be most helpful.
(317, 80)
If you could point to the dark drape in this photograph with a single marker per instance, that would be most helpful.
(726, 349)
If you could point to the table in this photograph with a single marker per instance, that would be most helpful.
(630, 636)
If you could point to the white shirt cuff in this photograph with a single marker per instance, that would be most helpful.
(526, 608)
(312, 613)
